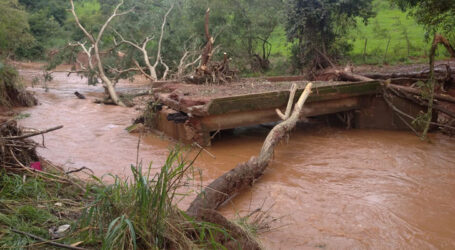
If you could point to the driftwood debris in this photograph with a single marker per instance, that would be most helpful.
(346, 75)
(245, 174)
(79, 95)
(48, 242)
(441, 97)
(32, 134)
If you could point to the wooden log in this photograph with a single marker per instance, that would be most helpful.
(79, 95)
(440, 73)
(415, 91)
(349, 76)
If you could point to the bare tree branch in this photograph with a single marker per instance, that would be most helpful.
(115, 14)
(158, 53)
(143, 48)
(108, 84)
(142, 71)
(88, 35)
(166, 71)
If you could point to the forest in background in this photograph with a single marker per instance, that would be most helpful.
(256, 35)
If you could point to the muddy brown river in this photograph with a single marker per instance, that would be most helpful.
(328, 188)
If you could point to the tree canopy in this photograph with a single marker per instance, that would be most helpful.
(259, 36)
(436, 15)
(317, 28)
(14, 28)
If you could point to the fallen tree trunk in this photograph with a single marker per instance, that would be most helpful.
(203, 208)
(350, 76)
(413, 97)
(356, 77)
(441, 72)
(415, 91)
(245, 174)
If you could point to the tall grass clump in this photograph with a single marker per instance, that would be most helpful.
(140, 212)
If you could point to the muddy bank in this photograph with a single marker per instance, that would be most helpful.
(331, 188)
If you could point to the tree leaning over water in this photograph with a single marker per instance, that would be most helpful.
(94, 60)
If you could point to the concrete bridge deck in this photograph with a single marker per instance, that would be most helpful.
(190, 112)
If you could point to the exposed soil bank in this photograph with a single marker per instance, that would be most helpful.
(333, 188)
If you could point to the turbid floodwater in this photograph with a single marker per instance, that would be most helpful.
(328, 188)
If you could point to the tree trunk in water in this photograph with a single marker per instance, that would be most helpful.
(106, 81)
(245, 174)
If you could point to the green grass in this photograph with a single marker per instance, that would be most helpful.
(389, 23)
(280, 44)
(28, 205)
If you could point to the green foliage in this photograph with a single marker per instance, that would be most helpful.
(53, 8)
(436, 15)
(390, 24)
(317, 28)
(259, 36)
(14, 28)
(46, 19)
(9, 85)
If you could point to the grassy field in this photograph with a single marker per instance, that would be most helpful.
(391, 37)
(391, 30)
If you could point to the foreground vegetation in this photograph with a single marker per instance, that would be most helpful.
(137, 213)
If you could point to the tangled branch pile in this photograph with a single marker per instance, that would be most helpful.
(211, 71)
(15, 152)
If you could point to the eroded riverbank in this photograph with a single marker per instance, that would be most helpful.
(331, 188)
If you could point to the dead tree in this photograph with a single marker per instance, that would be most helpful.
(439, 39)
(94, 45)
(262, 62)
(207, 51)
(208, 71)
(184, 65)
(152, 75)
(245, 174)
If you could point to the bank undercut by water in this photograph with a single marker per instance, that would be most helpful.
(12, 92)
